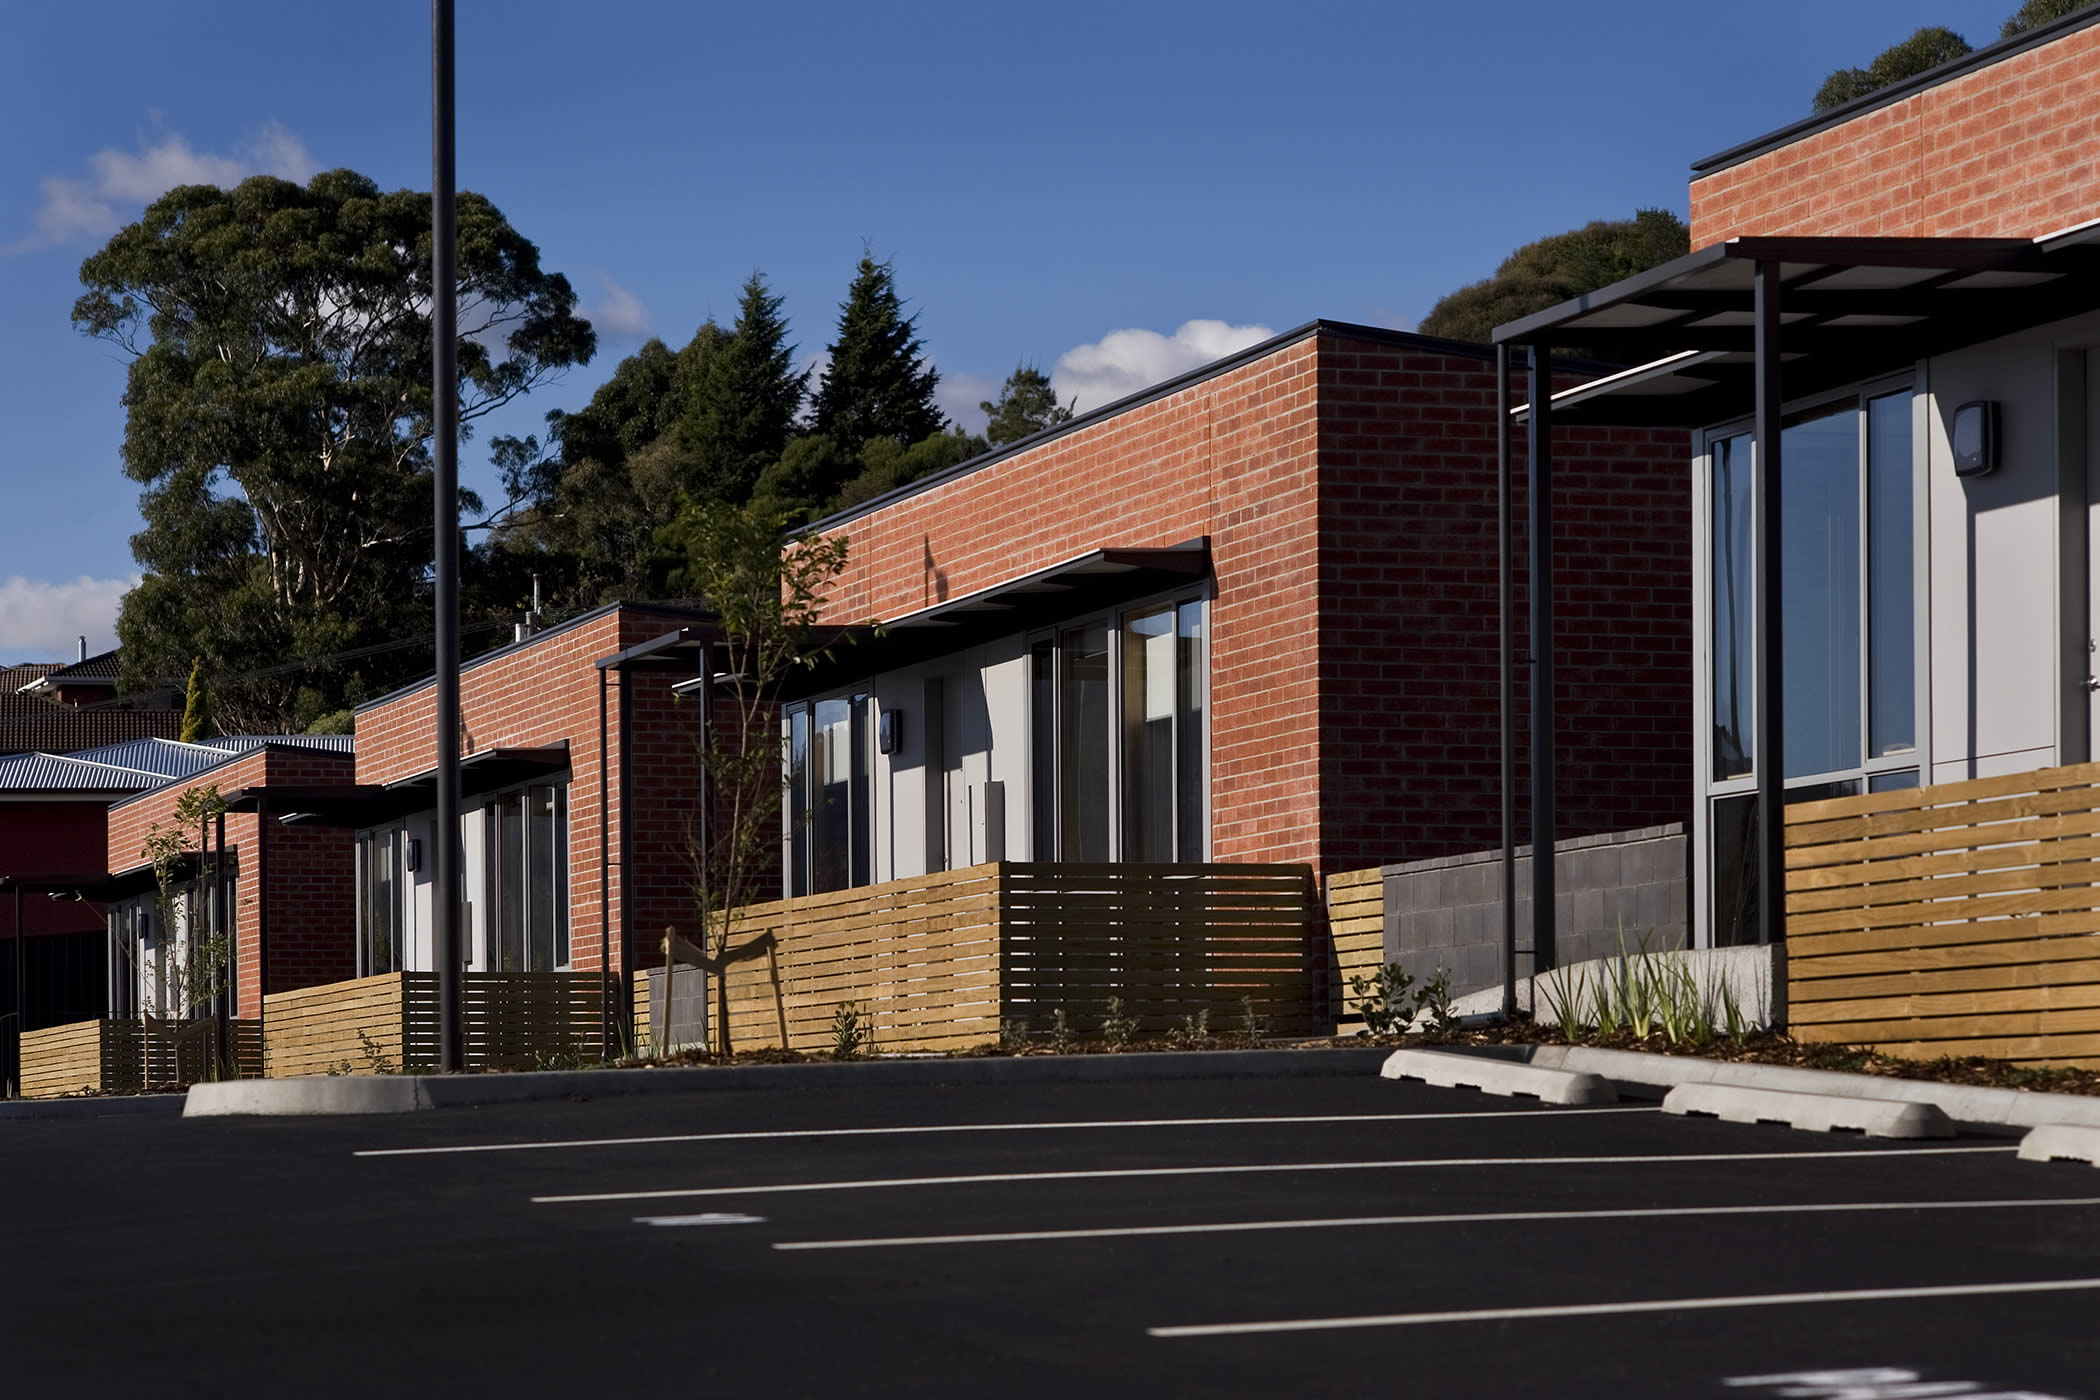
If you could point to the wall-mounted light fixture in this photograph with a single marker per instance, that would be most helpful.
(1976, 438)
(889, 731)
(411, 854)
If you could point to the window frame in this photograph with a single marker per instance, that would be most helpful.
(1709, 790)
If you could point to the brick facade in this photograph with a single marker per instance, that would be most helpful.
(301, 889)
(1346, 484)
(543, 693)
(2004, 151)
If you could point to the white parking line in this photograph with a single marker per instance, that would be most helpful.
(1484, 1217)
(1745, 1300)
(713, 1217)
(791, 1133)
(1398, 1164)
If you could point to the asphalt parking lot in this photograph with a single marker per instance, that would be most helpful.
(1262, 1237)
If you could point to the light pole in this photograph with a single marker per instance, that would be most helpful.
(444, 329)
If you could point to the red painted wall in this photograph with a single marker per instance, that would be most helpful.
(51, 838)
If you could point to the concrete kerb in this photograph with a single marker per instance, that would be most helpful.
(363, 1094)
(94, 1106)
(1968, 1105)
(1501, 1077)
(1814, 1113)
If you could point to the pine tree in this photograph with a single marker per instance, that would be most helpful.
(196, 707)
(879, 384)
(1026, 405)
(743, 401)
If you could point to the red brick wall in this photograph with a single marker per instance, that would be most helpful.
(1348, 491)
(1410, 744)
(2006, 151)
(545, 694)
(52, 838)
(311, 872)
(1233, 457)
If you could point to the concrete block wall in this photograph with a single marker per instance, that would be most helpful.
(1447, 912)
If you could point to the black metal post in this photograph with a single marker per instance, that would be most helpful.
(1538, 500)
(1504, 592)
(444, 330)
(1768, 719)
(14, 1066)
(224, 916)
(605, 995)
(262, 906)
(627, 890)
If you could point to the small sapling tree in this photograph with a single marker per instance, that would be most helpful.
(190, 968)
(767, 586)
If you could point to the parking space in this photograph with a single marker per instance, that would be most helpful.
(1225, 1236)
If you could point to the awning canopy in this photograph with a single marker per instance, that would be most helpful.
(373, 804)
(1098, 579)
(1850, 309)
(101, 887)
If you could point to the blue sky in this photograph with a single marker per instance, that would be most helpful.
(1079, 181)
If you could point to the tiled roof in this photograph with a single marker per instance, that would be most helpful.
(13, 678)
(96, 668)
(30, 724)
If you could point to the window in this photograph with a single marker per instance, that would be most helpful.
(380, 901)
(1849, 587)
(1119, 711)
(830, 781)
(526, 870)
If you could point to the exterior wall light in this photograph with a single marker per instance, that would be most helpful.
(1976, 438)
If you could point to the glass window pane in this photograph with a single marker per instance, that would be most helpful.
(1893, 782)
(561, 876)
(1819, 549)
(1148, 736)
(509, 882)
(798, 802)
(831, 770)
(1083, 723)
(540, 851)
(1191, 776)
(1733, 483)
(1892, 677)
(863, 780)
(1735, 871)
(1042, 751)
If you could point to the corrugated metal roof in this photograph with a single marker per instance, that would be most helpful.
(142, 764)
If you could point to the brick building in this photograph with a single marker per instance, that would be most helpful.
(578, 775)
(281, 891)
(1917, 276)
(1247, 615)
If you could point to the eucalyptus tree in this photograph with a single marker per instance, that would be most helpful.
(278, 416)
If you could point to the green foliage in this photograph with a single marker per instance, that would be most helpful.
(1026, 405)
(1060, 1036)
(1381, 999)
(1433, 1003)
(1922, 51)
(1118, 1027)
(878, 383)
(2036, 13)
(1013, 1033)
(196, 707)
(849, 1032)
(741, 408)
(343, 721)
(1253, 1024)
(1549, 271)
(1193, 1032)
(1643, 994)
(278, 415)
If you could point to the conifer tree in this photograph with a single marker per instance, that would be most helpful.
(1026, 405)
(196, 707)
(879, 383)
(743, 401)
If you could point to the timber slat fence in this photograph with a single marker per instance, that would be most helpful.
(1958, 919)
(128, 1056)
(938, 962)
(513, 1020)
(1356, 930)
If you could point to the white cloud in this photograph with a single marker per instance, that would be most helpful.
(42, 621)
(1123, 362)
(124, 181)
(619, 315)
(958, 395)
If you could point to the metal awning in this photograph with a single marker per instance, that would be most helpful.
(101, 886)
(1851, 309)
(373, 804)
(1094, 580)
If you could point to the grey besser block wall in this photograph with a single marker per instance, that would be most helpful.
(1448, 912)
